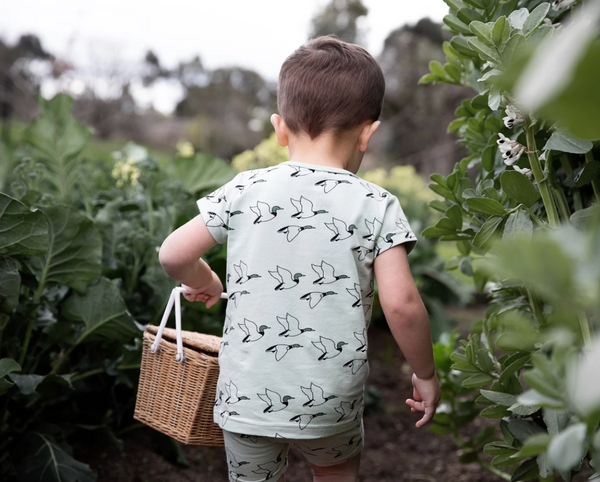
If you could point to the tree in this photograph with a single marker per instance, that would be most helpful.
(340, 17)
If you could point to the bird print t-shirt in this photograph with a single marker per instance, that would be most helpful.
(301, 240)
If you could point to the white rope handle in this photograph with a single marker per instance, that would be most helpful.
(174, 299)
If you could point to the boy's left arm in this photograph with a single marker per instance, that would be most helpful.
(180, 256)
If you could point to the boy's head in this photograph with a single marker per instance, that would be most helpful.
(328, 85)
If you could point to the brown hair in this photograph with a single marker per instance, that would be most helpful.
(329, 85)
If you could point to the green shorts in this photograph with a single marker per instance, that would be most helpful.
(254, 458)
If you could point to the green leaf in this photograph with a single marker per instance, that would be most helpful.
(74, 256)
(27, 383)
(477, 380)
(455, 214)
(438, 205)
(483, 32)
(438, 178)
(535, 18)
(519, 188)
(103, 311)
(535, 445)
(485, 52)
(555, 420)
(461, 45)
(476, 3)
(200, 173)
(500, 398)
(499, 448)
(535, 398)
(427, 78)
(537, 381)
(8, 365)
(526, 471)
(495, 413)
(519, 225)
(517, 18)
(437, 68)
(456, 124)
(568, 447)
(10, 285)
(57, 139)
(586, 217)
(486, 232)
(23, 231)
(487, 158)
(561, 140)
(468, 15)
(485, 206)
(590, 172)
(456, 25)
(500, 32)
(442, 191)
(515, 46)
(453, 71)
(523, 429)
(46, 460)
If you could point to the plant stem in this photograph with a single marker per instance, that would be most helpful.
(557, 191)
(90, 373)
(589, 157)
(541, 180)
(585, 328)
(150, 216)
(494, 470)
(534, 301)
(566, 164)
(26, 341)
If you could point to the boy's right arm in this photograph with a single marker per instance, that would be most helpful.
(409, 323)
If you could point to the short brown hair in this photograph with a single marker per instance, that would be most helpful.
(329, 85)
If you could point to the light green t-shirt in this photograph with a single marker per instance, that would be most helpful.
(301, 240)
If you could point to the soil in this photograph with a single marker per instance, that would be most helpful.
(395, 450)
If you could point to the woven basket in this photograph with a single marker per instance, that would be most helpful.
(178, 379)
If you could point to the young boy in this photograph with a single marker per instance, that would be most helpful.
(304, 239)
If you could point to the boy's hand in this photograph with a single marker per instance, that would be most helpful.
(426, 395)
(209, 294)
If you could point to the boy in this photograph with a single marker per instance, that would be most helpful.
(305, 238)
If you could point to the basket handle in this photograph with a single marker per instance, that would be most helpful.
(174, 299)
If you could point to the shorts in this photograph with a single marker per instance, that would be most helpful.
(254, 458)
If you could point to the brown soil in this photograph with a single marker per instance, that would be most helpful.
(394, 449)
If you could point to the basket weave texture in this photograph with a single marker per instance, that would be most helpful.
(175, 398)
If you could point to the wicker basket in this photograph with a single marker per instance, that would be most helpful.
(178, 380)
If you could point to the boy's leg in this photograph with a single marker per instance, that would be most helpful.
(345, 472)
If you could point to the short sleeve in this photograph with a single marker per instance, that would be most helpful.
(395, 229)
(215, 209)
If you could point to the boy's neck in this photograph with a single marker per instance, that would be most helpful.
(326, 150)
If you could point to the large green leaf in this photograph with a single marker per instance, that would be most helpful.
(561, 140)
(10, 284)
(7, 365)
(201, 172)
(568, 447)
(484, 235)
(535, 18)
(22, 231)
(57, 139)
(75, 250)
(485, 206)
(519, 188)
(50, 461)
(103, 311)
(518, 224)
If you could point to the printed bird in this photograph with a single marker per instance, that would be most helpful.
(305, 208)
(268, 468)
(305, 418)
(235, 476)
(291, 326)
(285, 278)
(374, 193)
(326, 273)
(253, 333)
(315, 396)
(274, 401)
(216, 221)
(232, 394)
(362, 251)
(345, 409)
(329, 348)
(329, 184)
(356, 293)
(227, 326)
(222, 346)
(341, 229)
(219, 399)
(355, 364)
(237, 295)
(233, 461)
(371, 293)
(262, 211)
(217, 196)
(342, 449)
(308, 451)
(225, 416)
(251, 438)
(281, 350)
(362, 339)
(315, 297)
(233, 213)
(245, 187)
(292, 230)
(403, 224)
(372, 228)
(300, 171)
(242, 271)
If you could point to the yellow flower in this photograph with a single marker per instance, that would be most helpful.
(185, 149)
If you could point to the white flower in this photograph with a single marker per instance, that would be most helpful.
(507, 145)
(513, 115)
(523, 170)
(512, 156)
(559, 5)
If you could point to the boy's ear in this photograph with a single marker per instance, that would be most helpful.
(281, 130)
(365, 135)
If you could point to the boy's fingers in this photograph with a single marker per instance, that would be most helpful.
(429, 413)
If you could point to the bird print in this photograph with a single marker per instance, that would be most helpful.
(362, 252)
(355, 364)
(328, 347)
(263, 210)
(225, 416)
(344, 448)
(215, 221)
(371, 293)
(232, 393)
(267, 469)
(293, 230)
(281, 350)
(315, 297)
(274, 401)
(304, 208)
(251, 438)
(315, 396)
(345, 410)
(403, 224)
(285, 278)
(242, 270)
(236, 296)
(374, 193)
(245, 187)
(253, 333)
(305, 418)
(356, 293)
(300, 171)
(219, 399)
(341, 229)
(233, 461)
(222, 347)
(227, 326)
(308, 451)
(233, 213)
(329, 184)
(291, 326)
(362, 339)
(235, 476)
(217, 196)
(373, 227)
(326, 273)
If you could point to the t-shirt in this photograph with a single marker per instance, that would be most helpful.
(301, 240)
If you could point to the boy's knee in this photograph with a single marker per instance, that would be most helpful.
(347, 471)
